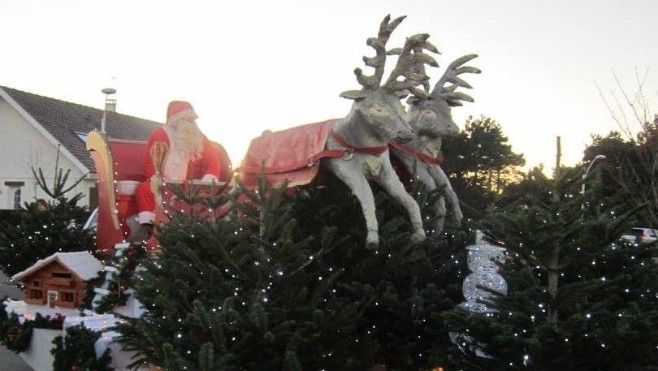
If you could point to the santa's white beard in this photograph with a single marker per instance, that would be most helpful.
(189, 140)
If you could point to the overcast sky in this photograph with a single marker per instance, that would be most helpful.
(252, 65)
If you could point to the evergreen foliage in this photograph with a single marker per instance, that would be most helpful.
(76, 351)
(117, 283)
(297, 290)
(34, 234)
(480, 164)
(59, 188)
(579, 298)
(16, 333)
(630, 169)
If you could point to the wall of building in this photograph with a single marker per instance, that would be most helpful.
(22, 148)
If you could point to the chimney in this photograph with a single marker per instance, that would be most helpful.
(110, 105)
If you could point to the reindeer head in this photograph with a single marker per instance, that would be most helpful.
(431, 116)
(378, 106)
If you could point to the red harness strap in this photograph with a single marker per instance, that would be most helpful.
(345, 152)
(419, 155)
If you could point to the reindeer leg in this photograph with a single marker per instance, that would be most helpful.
(423, 175)
(359, 186)
(441, 180)
(389, 180)
(441, 211)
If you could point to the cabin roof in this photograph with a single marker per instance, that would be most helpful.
(81, 263)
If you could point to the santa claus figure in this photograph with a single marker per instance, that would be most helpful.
(188, 155)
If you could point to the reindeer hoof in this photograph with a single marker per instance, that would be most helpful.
(418, 236)
(372, 241)
(454, 222)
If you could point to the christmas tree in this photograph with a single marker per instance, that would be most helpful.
(578, 297)
(287, 285)
(42, 228)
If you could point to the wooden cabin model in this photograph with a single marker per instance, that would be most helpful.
(59, 280)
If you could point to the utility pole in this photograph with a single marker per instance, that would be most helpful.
(558, 157)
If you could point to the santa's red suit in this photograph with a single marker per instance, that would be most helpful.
(180, 163)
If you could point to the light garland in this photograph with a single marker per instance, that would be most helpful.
(483, 259)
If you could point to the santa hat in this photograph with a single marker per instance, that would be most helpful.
(179, 109)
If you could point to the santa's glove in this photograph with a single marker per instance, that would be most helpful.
(209, 178)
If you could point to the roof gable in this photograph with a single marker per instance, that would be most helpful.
(81, 263)
(65, 121)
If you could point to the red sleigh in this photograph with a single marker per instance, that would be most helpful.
(119, 169)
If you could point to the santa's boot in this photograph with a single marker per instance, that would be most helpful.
(141, 233)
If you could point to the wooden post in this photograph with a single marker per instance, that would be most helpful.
(558, 157)
(554, 260)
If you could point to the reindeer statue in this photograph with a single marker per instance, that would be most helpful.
(354, 148)
(432, 120)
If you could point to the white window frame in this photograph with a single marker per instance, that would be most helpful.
(52, 296)
(17, 198)
(14, 190)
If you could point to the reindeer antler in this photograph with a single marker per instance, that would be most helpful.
(379, 60)
(410, 65)
(451, 75)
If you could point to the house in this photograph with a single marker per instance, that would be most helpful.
(59, 280)
(41, 132)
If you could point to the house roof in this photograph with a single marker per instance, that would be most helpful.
(81, 263)
(65, 121)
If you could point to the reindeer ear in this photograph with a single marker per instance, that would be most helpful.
(413, 100)
(401, 94)
(353, 94)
